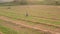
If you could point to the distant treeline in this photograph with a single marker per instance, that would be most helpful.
(25, 2)
(52, 2)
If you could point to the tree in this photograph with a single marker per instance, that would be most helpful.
(23, 2)
(49, 1)
(57, 2)
(15, 0)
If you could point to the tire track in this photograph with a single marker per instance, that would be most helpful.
(26, 25)
(47, 18)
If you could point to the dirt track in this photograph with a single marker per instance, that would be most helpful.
(1, 33)
(26, 25)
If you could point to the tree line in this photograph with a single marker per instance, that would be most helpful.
(48, 2)
(52, 2)
(25, 2)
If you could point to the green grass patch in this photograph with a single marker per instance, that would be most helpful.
(20, 14)
(25, 30)
(7, 30)
(22, 30)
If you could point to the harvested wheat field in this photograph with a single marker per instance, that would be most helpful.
(40, 19)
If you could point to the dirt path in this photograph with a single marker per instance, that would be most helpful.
(1, 33)
(29, 26)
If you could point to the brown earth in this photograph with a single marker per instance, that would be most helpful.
(1, 33)
(22, 23)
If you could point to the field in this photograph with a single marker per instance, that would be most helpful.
(39, 18)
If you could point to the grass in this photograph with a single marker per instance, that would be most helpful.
(6, 30)
(30, 31)
(23, 30)
(19, 13)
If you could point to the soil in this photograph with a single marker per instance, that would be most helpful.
(22, 23)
